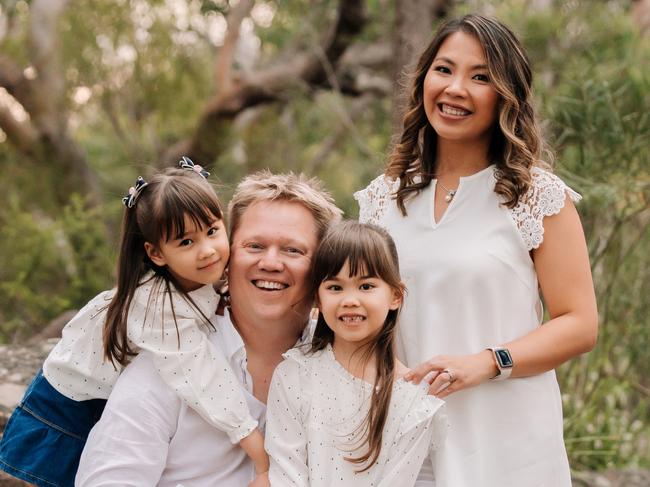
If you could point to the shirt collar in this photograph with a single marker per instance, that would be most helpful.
(233, 344)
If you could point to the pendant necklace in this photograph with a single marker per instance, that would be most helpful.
(450, 192)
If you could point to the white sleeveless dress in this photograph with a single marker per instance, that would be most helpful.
(471, 284)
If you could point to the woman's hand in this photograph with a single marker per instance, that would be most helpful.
(448, 374)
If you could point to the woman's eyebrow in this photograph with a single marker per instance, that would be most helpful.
(449, 61)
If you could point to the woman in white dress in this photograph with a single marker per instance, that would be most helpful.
(481, 226)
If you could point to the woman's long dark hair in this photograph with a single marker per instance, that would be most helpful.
(517, 143)
(369, 251)
(158, 215)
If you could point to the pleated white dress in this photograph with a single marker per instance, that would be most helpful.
(471, 285)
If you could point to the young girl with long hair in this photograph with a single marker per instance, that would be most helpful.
(174, 249)
(482, 225)
(340, 413)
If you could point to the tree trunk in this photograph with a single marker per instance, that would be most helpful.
(414, 26)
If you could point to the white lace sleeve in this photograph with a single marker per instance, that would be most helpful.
(545, 197)
(374, 200)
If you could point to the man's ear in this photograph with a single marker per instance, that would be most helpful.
(154, 254)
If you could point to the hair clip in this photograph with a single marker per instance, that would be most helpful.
(134, 191)
(186, 163)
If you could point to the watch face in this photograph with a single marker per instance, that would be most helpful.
(503, 356)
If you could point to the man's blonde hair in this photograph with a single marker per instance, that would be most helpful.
(290, 187)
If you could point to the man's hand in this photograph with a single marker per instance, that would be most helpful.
(261, 480)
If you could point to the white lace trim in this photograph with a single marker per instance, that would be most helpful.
(545, 197)
(374, 200)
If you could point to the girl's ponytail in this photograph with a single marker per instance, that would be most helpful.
(132, 265)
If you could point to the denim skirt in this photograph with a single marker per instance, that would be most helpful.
(44, 437)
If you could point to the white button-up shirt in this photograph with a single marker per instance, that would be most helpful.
(148, 436)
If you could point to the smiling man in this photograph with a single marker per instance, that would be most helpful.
(147, 435)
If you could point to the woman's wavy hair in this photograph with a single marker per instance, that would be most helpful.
(370, 251)
(517, 143)
(158, 215)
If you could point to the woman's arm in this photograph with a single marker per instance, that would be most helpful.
(564, 275)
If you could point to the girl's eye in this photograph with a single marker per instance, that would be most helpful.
(333, 287)
(185, 242)
(212, 231)
(442, 69)
(482, 77)
(366, 286)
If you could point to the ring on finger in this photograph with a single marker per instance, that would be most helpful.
(450, 374)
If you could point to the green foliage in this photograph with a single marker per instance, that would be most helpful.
(48, 266)
(593, 86)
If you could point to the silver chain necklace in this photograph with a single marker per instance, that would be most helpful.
(450, 192)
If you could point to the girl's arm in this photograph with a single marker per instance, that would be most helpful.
(253, 445)
(564, 274)
(190, 364)
(286, 434)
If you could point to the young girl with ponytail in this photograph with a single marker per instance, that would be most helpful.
(173, 251)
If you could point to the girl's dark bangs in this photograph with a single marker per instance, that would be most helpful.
(363, 255)
(330, 263)
(191, 200)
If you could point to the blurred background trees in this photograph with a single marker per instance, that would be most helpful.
(93, 94)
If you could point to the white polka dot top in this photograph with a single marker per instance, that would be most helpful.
(314, 411)
(183, 356)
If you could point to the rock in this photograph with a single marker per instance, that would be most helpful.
(612, 478)
(18, 365)
(11, 394)
(7, 480)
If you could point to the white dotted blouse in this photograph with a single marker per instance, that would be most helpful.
(181, 352)
(314, 413)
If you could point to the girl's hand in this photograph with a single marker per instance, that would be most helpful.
(261, 480)
(448, 374)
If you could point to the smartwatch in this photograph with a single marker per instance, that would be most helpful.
(504, 362)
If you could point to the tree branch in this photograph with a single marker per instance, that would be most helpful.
(223, 66)
(48, 110)
(21, 134)
(15, 82)
(413, 29)
(272, 84)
